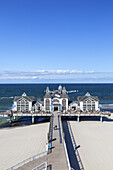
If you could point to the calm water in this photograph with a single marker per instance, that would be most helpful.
(8, 91)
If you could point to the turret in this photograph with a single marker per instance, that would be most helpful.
(47, 90)
(60, 88)
(64, 90)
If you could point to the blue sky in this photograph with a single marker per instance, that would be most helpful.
(56, 41)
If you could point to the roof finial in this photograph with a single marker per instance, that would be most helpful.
(47, 89)
(24, 94)
(87, 94)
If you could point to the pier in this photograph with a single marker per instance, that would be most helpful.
(77, 114)
(57, 157)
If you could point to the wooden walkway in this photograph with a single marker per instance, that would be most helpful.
(56, 160)
(33, 164)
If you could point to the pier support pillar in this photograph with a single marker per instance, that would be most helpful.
(78, 119)
(33, 119)
(100, 118)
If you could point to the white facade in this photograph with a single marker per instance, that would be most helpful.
(56, 100)
(47, 108)
(89, 103)
(81, 105)
(22, 103)
(38, 107)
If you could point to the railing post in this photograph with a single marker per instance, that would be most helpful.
(78, 119)
(33, 119)
(100, 118)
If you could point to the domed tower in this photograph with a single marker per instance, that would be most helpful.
(47, 90)
(47, 100)
(60, 88)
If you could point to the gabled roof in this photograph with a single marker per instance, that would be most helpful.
(47, 95)
(74, 102)
(64, 95)
(40, 102)
(29, 98)
(87, 96)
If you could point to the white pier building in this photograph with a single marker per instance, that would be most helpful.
(56, 100)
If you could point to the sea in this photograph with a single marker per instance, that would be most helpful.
(9, 91)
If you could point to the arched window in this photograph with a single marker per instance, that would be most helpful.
(47, 104)
(64, 104)
(23, 105)
(56, 101)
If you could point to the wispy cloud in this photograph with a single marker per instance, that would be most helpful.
(42, 72)
(55, 76)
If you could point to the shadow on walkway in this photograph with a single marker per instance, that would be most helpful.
(71, 153)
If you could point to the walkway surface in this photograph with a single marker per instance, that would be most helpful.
(57, 158)
(33, 164)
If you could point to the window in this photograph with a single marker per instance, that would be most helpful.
(47, 104)
(64, 104)
(89, 105)
(22, 105)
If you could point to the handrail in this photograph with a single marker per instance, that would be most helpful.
(50, 133)
(65, 148)
(27, 161)
(50, 130)
(67, 155)
(42, 166)
(75, 146)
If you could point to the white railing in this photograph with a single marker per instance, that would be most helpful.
(27, 161)
(72, 169)
(67, 155)
(75, 147)
(42, 166)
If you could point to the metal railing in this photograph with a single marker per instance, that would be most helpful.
(50, 134)
(75, 147)
(27, 161)
(42, 166)
(67, 155)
